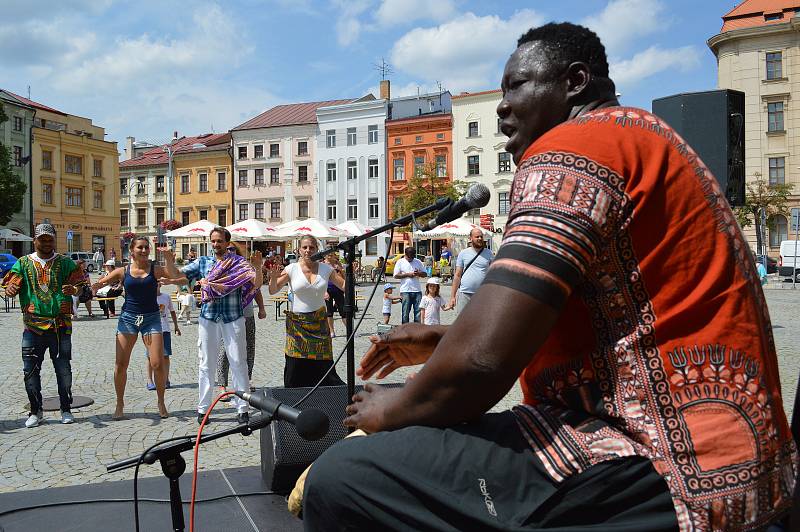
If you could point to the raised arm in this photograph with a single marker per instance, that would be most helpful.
(114, 277)
(277, 279)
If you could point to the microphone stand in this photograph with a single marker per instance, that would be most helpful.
(173, 465)
(349, 248)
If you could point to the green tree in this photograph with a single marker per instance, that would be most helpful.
(424, 188)
(12, 188)
(761, 196)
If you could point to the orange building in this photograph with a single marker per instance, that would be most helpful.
(411, 144)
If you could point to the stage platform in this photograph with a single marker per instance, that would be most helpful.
(246, 507)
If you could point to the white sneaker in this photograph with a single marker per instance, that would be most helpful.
(188, 322)
(34, 420)
(67, 418)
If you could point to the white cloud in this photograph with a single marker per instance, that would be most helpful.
(466, 53)
(623, 21)
(348, 25)
(396, 12)
(652, 61)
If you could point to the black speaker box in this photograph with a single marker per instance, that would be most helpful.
(284, 454)
(712, 123)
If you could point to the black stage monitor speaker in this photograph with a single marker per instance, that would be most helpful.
(712, 122)
(284, 454)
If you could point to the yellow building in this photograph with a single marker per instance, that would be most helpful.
(203, 185)
(75, 175)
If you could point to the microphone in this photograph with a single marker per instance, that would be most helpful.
(477, 196)
(311, 424)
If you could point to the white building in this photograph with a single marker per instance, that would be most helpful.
(351, 165)
(479, 151)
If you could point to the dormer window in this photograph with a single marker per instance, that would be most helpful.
(773, 16)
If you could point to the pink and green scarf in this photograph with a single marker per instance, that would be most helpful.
(228, 274)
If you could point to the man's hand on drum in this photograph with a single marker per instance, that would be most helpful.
(406, 345)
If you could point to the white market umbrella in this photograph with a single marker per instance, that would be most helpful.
(354, 228)
(14, 236)
(251, 230)
(198, 229)
(309, 226)
(457, 228)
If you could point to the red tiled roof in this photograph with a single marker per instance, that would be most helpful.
(37, 105)
(289, 115)
(750, 13)
(157, 156)
(468, 94)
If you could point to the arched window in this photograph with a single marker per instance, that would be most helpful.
(778, 231)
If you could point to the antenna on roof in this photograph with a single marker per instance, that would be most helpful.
(384, 68)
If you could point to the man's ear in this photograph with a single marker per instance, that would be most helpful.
(578, 77)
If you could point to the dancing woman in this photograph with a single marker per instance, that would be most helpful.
(309, 349)
(140, 315)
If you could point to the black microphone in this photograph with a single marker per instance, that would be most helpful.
(477, 196)
(311, 424)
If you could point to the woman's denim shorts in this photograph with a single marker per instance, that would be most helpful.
(145, 324)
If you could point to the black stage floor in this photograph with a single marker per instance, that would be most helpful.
(241, 512)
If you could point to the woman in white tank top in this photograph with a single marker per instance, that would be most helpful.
(309, 350)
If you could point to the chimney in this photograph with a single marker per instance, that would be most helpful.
(129, 148)
(386, 93)
(175, 135)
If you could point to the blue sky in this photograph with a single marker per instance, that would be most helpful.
(148, 68)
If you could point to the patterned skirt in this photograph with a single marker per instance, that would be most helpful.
(308, 335)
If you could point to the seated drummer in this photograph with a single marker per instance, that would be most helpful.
(625, 300)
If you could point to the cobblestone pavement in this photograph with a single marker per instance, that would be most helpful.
(62, 455)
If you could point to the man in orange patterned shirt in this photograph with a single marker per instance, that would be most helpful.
(625, 299)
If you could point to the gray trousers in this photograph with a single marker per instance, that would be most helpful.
(461, 301)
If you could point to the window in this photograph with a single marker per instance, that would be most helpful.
(140, 184)
(98, 199)
(331, 210)
(258, 151)
(775, 116)
(352, 209)
(473, 165)
(222, 217)
(141, 217)
(259, 176)
(159, 183)
(242, 152)
(302, 148)
(773, 16)
(774, 65)
(242, 178)
(74, 197)
(203, 214)
(302, 209)
(123, 186)
(372, 134)
(351, 136)
(777, 170)
(17, 155)
(778, 231)
(98, 242)
(47, 160)
(330, 136)
(98, 168)
(77, 241)
(17, 123)
(503, 161)
(331, 172)
(373, 207)
(418, 138)
(123, 217)
(274, 178)
(397, 140)
(352, 170)
(184, 217)
(472, 129)
(441, 166)
(259, 211)
(221, 181)
(275, 210)
(372, 168)
(274, 150)
(440, 136)
(185, 184)
(419, 165)
(160, 215)
(302, 173)
(504, 203)
(372, 245)
(47, 193)
(399, 169)
(203, 178)
(242, 211)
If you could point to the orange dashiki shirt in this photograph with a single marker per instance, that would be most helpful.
(663, 347)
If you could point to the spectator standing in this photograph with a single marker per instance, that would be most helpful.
(113, 256)
(167, 311)
(99, 257)
(112, 290)
(84, 294)
(446, 255)
(432, 303)
(334, 299)
(188, 303)
(471, 267)
(408, 269)
(388, 301)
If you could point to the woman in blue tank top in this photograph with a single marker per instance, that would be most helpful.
(140, 315)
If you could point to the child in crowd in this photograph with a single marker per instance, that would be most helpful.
(431, 303)
(188, 302)
(388, 300)
(164, 306)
